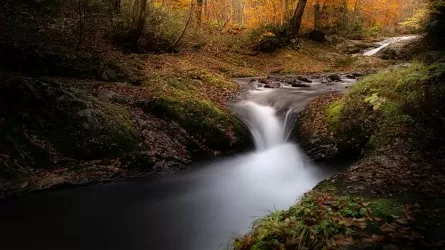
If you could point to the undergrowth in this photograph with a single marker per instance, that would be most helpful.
(317, 221)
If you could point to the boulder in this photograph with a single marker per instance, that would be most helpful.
(334, 78)
(303, 79)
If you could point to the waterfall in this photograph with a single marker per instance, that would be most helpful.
(266, 128)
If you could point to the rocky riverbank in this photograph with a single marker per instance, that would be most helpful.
(63, 131)
(393, 196)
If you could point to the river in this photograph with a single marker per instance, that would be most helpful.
(201, 209)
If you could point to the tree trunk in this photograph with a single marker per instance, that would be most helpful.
(199, 6)
(237, 11)
(81, 23)
(137, 22)
(185, 26)
(344, 23)
(317, 16)
(296, 18)
(117, 6)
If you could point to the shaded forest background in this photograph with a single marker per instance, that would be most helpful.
(209, 25)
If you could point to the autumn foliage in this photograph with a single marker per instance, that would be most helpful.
(335, 15)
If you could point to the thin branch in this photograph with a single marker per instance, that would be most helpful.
(192, 5)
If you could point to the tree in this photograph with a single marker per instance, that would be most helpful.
(317, 15)
(200, 5)
(296, 18)
(137, 22)
(285, 7)
(237, 7)
(116, 6)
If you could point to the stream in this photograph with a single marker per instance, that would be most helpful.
(201, 209)
(385, 43)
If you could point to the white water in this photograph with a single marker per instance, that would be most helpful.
(198, 210)
(264, 125)
(385, 43)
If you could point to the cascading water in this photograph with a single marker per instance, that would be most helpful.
(385, 43)
(266, 129)
(198, 210)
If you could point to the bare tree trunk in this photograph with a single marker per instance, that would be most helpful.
(81, 24)
(317, 15)
(296, 19)
(117, 6)
(137, 22)
(200, 4)
(345, 15)
(355, 16)
(185, 26)
(285, 10)
(237, 11)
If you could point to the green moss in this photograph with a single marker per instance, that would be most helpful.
(187, 101)
(333, 114)
(385, 105)
(384, 208)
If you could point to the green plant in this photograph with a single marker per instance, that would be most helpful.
(316, 220)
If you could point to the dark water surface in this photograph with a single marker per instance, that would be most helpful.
(201, 209)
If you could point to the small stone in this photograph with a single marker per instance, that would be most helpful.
(324, 80)
(302, 85)
(334, 78)
(106, 95)
(303, 79)
(108, 75)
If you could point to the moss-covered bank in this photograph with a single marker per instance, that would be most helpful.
(66, 130)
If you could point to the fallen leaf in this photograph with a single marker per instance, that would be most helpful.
(388, 227)
(402, 221)
(361, 219)
(378, 238)
(342, 240)
(361, 225)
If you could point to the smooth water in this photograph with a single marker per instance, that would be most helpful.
(200, 209)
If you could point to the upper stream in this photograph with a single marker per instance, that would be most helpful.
(201, 209)
(385, 43)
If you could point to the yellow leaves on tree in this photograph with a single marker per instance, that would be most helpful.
(334, 14)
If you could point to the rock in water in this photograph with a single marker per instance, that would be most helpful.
(303, 79)
(334, 78)
(299, 84)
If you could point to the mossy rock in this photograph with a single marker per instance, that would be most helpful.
(216, 129)
(43, 120)
(324, 132)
